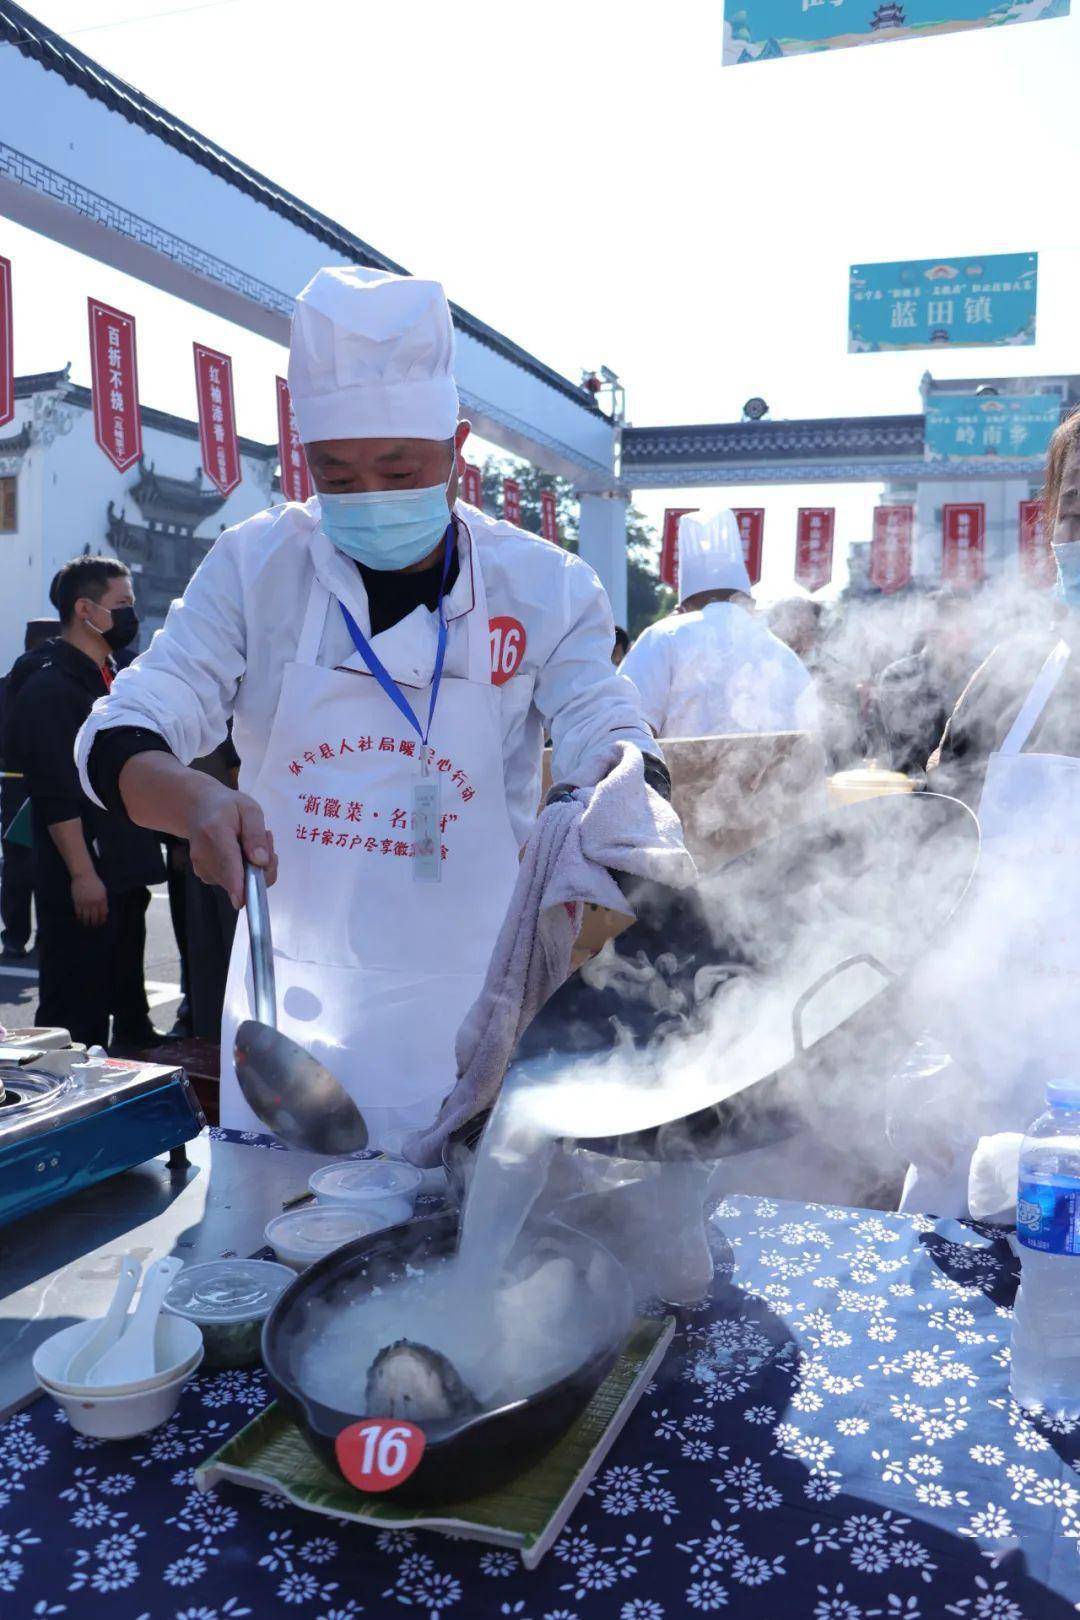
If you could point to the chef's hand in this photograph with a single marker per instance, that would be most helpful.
(90, 899)
(224, 829)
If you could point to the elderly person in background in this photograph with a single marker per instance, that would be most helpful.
(1002, 996)
(912, 698)
(714, 668)
(993, 697)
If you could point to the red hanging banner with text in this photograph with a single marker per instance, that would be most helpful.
(1037, 565)
(472, 486)
(890, 549)
(814, 546)
(549, 523)
(114, 382)
(963, 530)
(751, 521)
(217, 418)
(7, 346)
(511, 500)
(295, 477)
(669, 548)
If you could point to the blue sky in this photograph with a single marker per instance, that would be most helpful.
(588, 179)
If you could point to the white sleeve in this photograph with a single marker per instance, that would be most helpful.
(648, 666)
(585, 703)
(184, 685)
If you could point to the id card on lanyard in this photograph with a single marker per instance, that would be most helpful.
(426, 808)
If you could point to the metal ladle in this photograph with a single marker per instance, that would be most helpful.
(288, 1090)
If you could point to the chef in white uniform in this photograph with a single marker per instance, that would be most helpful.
(713, 669)
(390, 659)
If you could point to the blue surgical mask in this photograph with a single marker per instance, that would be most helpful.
(388, 529)
(1067, 557)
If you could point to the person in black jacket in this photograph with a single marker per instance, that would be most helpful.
(91, 869)
(17, 871)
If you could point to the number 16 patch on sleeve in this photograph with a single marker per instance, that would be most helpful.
(507, 648)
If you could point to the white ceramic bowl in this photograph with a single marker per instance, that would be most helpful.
(178, 1347)
(122, 1416)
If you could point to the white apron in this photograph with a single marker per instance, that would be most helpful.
(374, 970)
(1010, 989)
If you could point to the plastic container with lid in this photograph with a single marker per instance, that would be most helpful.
(384, 1187)
(867, 782)
(302, 1236)
(229, 1299)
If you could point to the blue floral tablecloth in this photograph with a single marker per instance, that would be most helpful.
(830, 1437)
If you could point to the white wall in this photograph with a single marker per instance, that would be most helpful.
(64, 489)
(1001, 497)
(20, 553)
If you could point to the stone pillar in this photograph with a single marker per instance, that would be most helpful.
(602, 544)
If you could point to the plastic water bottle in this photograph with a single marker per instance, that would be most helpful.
(1046, 1320)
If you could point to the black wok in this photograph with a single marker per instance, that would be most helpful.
(796, 956)
(468, 1455)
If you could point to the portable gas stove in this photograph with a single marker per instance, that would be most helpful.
(68, 1120)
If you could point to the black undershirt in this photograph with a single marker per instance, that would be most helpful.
(393, 596)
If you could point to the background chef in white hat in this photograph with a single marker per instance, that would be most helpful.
(712, 668)
(390, 658)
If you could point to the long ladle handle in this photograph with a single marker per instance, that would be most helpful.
(262, 950)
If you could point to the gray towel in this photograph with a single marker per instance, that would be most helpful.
(620, 825)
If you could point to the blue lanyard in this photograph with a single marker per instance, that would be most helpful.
(379, 670)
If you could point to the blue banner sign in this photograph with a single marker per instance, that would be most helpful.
(989, 427)
(761, 30)
(943, 303)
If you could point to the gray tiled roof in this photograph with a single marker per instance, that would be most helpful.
(34, 40)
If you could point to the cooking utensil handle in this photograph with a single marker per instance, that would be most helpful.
(834, 972)
(262, 949)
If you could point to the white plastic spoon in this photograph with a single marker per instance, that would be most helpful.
(131, 1358)
(111, 1325)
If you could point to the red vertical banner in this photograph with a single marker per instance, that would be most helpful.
(549, 522)
(114, 378)
(669, 548)
(751, 521)
(963, 535)
(511, 502)
(1037, 565)
(472, 486)
(814, 546)
(217, 418)
(7, 346)
(890, 549)
(295, 477)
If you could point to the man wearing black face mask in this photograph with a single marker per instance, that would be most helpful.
(91, 869)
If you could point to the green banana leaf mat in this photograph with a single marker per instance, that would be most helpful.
(528, 1514)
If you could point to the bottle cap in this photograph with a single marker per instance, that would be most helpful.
(1063, 1093)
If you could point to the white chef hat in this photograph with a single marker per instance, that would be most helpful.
(711, 555)
(372, 357)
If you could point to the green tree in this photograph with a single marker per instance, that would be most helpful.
(647, 599)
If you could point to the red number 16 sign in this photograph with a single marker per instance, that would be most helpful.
(507, 648)
(380, 1453)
